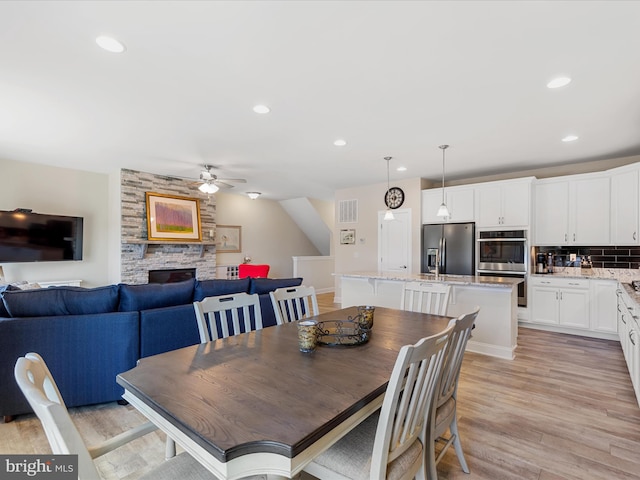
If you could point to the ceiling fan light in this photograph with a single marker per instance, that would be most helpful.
(253, 195)
(110, 44)
(208, 188)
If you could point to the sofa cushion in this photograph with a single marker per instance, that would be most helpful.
(266, 285)
(168, 328)
(213, 288)
(45, 302)
(155, 295)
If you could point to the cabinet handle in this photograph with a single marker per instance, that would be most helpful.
(560, 295)
(631, 338)
(573, 283)
(634, 235)
(556, 295)
(619, 308)
(622, 318)
(574, 237)
(565, 237)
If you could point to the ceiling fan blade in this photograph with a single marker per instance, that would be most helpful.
(235, 180)
(222, 184)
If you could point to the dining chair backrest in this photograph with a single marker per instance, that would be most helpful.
(443, 416)
(425, 297)
(409, 396)
(225, 315)
(40, 389)
(293, 303)
(455, 353)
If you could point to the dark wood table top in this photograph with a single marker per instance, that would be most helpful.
(256, 392)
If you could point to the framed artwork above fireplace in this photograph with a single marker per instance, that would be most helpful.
(173, 218)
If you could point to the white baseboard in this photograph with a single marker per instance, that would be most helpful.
(491, 350)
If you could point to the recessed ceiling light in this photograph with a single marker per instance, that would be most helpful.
(558, 82)
(261, 109)
(253, 195)
(340, 143)
(110, 44)
(570, 138)
(401, 169)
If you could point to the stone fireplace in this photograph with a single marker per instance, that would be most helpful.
(138, 256)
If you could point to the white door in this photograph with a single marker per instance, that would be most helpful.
(394, 242)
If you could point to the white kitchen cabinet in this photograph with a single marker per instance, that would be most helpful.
(573, 211)
(603, 305)
(625, 212)
(459, 200)
(503, 204)
(629, 332)
(559, 301)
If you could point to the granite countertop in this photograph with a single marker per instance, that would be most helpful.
(466, 280)
(622, 275)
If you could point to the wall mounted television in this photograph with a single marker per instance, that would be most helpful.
(35, 237)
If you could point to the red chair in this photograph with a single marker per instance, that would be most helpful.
(255, 271)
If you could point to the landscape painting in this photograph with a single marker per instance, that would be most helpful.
(170, 217)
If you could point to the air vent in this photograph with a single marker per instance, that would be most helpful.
(348, 211)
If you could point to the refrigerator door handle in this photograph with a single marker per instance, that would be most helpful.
(443, 253)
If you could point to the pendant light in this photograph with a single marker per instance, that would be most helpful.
(389, 214)
(443, 211)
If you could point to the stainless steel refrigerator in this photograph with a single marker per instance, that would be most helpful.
(453, 244)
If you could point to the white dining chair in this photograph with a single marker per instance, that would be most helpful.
(40, 389)
(293, 303)
(444, 415)
(387, 444)
(425, 297)
(229, 312)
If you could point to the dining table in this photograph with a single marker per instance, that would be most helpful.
(255, 404)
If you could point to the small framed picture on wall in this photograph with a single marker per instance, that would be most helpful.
(347, 237)
(228, 238)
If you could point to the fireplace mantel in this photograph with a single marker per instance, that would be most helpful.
(144, 244)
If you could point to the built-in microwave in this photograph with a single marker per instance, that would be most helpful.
(504, 253)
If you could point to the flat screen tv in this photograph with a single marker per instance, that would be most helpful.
(34, 237)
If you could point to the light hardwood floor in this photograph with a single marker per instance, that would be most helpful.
(563, 409)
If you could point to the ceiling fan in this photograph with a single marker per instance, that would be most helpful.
(210, 183)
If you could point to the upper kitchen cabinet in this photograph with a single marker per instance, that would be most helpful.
(459, 201)
(504, 204)
(624, 205)
(573, 210)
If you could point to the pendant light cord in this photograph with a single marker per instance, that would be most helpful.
(388, 159)
(443, 147)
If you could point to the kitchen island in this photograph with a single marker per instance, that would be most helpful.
(496, 331)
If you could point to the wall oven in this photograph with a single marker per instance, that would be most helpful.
(504, 253)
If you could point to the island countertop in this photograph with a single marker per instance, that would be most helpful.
(496, 329)
(467, 280)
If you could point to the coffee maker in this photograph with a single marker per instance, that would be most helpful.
(541, 263)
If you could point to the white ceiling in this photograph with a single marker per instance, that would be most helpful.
(392, 78)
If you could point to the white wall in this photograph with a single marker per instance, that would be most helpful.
(364, 254)
(60, 191)
(269, 235)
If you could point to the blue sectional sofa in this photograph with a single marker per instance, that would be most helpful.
(89, 335)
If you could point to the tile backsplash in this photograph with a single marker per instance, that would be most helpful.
(601, 257)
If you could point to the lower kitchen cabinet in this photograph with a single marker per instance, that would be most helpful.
(603, 305)
(560, 301)
(629, 332)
